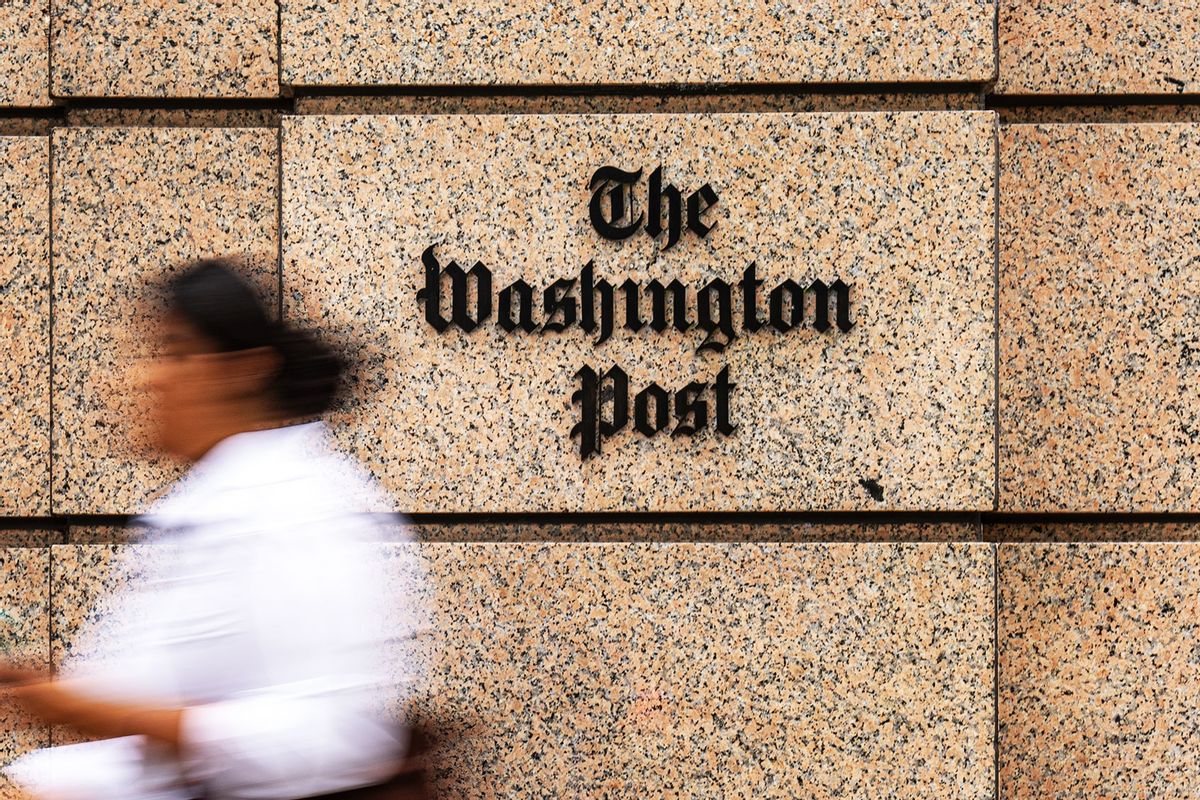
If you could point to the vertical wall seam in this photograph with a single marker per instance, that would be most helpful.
(50, 403)
(50, 49)
(50, 461)
(996, 670)
(996, 314)
(279, 220)
(50, 623)
(996, 43)
(279, 48)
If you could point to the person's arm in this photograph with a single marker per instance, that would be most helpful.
(294, 739)
(310, 719)
(56, 704)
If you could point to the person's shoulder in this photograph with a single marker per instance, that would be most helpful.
(281, 480)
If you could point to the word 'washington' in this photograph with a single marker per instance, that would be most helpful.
(718, 309)
(592, 304)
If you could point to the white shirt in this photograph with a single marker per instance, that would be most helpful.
(265, 614)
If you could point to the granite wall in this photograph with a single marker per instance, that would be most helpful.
(934, 534)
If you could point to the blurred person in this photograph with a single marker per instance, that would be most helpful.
(253, 660)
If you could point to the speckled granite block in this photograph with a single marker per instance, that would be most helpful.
(25, 126)
(16, 538)
(1032, 115)
(10, 791)
(699, 671)
(1098, 678)
(103, 534)
(173, 48)
(1094, 532)
(1098, 335)
(613, 532)
(24, 326)
(631, 104)
(688, 670)
(898, 413)
(24, 53)
(130, 205)
(176, 117)
(1099, 47)
(833, 41)
(687, 532)
(25, 638)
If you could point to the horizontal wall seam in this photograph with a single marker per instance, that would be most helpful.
(988, 518)
(992, 100)
(638, 89)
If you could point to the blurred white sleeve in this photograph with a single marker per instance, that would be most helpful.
(288, 741)
(328, 620)
(290, 649)
(110, 769)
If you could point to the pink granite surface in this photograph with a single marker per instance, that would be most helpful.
(712, 41)
(25, 641)
(1099, 47)
(682, 670)
(170, 48)
(130, 206)
(24, 53)
(691, 103)
(897, 413)
(25, 326)
(1098, 677)
(1098, 340)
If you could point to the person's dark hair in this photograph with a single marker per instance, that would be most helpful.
(214, 299)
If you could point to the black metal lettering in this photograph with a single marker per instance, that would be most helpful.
(592, 428)
(525, 292)
(724, 390)
(620, 202)
(842, 292)
(557, 299)
(689, 406)
(641, 411)
(820, 292)
(795, 314)
(706, 195)
(430, 295)
(589, 287)
(633, 316)
(750, 283)
(658, 298)
(722, 321)
(674, 210)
